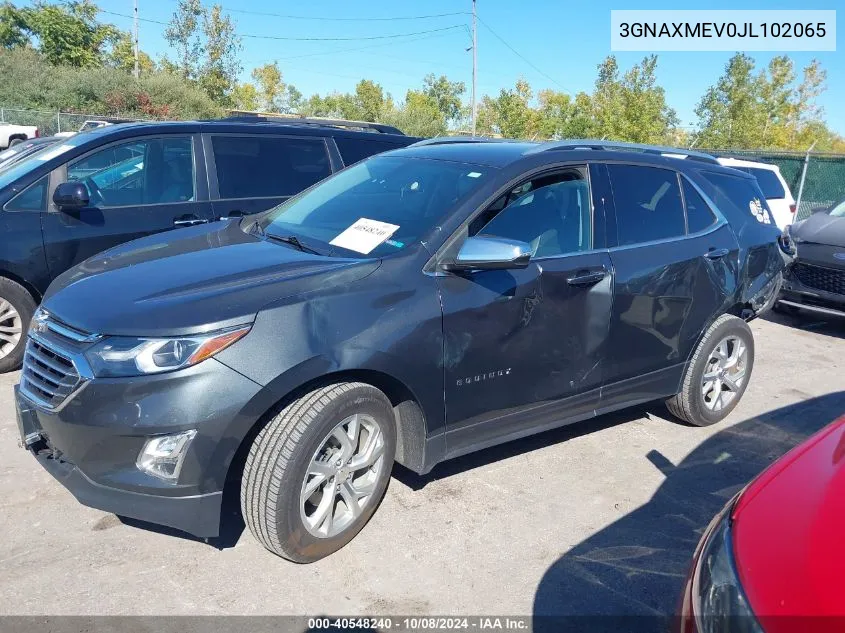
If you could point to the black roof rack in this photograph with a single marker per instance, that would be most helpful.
(660, 150)
(314, 121)
(447, 140)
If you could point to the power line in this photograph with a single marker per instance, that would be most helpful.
(329, 19)
(310, 39)
(351, 39)
(521, 56)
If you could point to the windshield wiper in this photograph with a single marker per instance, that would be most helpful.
(293, 241)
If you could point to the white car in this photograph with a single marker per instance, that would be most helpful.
(772, 184)
(86, 127)
(14, 134)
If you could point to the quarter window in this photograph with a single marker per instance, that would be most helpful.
(550, 213)
(699, 214)
(152, 171)
(354, 149)
(33, 198)
(268, 166)
(648, 203)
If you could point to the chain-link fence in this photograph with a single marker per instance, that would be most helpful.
(824, 182)
(50, 123)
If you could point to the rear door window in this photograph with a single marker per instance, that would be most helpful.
(699, 214)
(648, 203)
(354, 149)
(768, 181)
(268, 166)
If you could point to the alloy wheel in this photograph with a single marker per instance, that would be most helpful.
(725, 373)
(11, 328)
(342, 476)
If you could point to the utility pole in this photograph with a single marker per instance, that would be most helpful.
(137, 72)
(474, 64)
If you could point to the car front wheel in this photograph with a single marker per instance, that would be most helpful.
(717, 374)
(16, 309)
(316, 473)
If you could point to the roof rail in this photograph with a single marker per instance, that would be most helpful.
(660, 150)
(448, 140)
(314, 121)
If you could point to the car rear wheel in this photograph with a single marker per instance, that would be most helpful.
(16, 309)
(717, 375)
(318, 470)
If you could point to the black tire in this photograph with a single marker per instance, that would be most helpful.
(15, 141)
(24, 305)
(689, 405)
(278, 462)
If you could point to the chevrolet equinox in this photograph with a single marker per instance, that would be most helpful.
(422, 304)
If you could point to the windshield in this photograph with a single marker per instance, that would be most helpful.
(838, 211)
(376, 207)
(34, 161)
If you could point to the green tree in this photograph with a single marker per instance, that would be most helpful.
(731, 113)
(370, 102)
(221, 64)
(122, 56)
(183, 34)
(245, 97)
(510, 114)
(69, 34)
(447, 95)
(271, 89)
(419, 115)
(646, 117)
(12, 27)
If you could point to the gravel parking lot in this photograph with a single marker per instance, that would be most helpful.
(599, 517)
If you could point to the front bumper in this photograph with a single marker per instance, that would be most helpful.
(796, 294)
(90, 445)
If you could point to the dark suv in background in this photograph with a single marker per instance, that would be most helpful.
(117, 183)
(422, 304)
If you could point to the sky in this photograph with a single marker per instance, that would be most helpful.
(552, 44)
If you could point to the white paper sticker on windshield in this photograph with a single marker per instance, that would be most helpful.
(473, 174)
(364, 235)
(56, 151)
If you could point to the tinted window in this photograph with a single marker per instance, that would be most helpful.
(152, 171)
(768, 181)
(411, 194)
(33, 198)
(268, 166)
(699, 214)
(737, 198)
(551, 214)
(355, 149)
(648, 203)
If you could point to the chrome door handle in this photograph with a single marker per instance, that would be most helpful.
(586, 278)
(194, 222)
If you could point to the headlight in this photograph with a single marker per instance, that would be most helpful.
(719, 604)
(124, 356)
(787, 242)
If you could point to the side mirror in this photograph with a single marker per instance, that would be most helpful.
(70, 196)
(491, 253)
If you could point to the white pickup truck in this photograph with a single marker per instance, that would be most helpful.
(14, 134)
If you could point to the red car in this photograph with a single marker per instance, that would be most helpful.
(776, 553)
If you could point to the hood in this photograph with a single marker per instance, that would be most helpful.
(190, 280)
(788, 527)
(820, 228)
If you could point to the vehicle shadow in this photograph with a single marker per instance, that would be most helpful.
(634, 569)
(809, 321)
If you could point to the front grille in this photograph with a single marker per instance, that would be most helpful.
(48, 376)
(820, 278)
